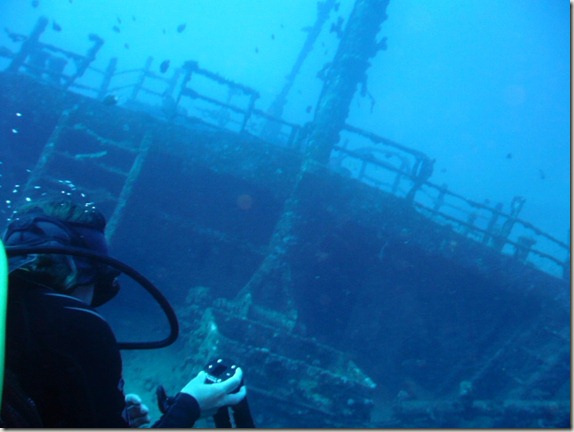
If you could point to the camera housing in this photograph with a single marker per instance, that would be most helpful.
(219, 370)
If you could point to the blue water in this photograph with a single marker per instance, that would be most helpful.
(483, 86)
(480, 86)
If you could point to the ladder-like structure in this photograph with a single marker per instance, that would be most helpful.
(79, 160)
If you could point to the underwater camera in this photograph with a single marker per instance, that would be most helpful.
(239, 415)
(218, 370)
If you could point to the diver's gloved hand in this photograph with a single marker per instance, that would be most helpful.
(136, 413)
(163, 400)
(211, 397)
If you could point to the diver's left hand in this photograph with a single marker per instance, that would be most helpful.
(136, 413)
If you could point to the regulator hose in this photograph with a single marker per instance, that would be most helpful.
(124, 268)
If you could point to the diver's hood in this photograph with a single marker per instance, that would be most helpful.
(86, 249)
(40, 231)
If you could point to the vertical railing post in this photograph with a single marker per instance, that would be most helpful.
(523, 246)
(172, 84)
(141, 80)
(87, 60)
(253, 97)
(439, 200)
(189, 67)
(28, 46)
(469, 226)
(108, 75)
(502, 236)
(492, 224)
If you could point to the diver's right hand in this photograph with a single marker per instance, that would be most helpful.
(210, 397)
(135, 412)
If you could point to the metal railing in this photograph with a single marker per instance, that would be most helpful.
(392, 167)
(192, 94)
(48, 62)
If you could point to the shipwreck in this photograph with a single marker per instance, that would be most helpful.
(353, 290)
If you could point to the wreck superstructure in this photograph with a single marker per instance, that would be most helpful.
(377, 303)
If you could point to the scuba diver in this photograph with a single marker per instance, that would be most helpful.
(60, 353)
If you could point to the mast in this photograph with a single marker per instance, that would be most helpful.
(348, 69)
(269, 293)
(323, 11)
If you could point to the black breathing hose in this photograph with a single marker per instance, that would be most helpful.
(124, 268)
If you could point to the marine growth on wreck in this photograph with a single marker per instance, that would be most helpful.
(353, 288)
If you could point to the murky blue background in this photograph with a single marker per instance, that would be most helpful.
(482, 86)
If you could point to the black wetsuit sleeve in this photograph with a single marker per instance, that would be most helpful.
(69, 364)
(183, 413)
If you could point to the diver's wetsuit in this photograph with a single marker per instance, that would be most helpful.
(66, 358)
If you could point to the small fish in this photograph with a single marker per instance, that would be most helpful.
(256, 50)
(308, 109)
(127, 46)
(116, 29)
(542, 174)
(35, 3)
(181, 27)
(119, 20)
(164, 66)
(272, 36)
(56, 27)
(508, 155)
